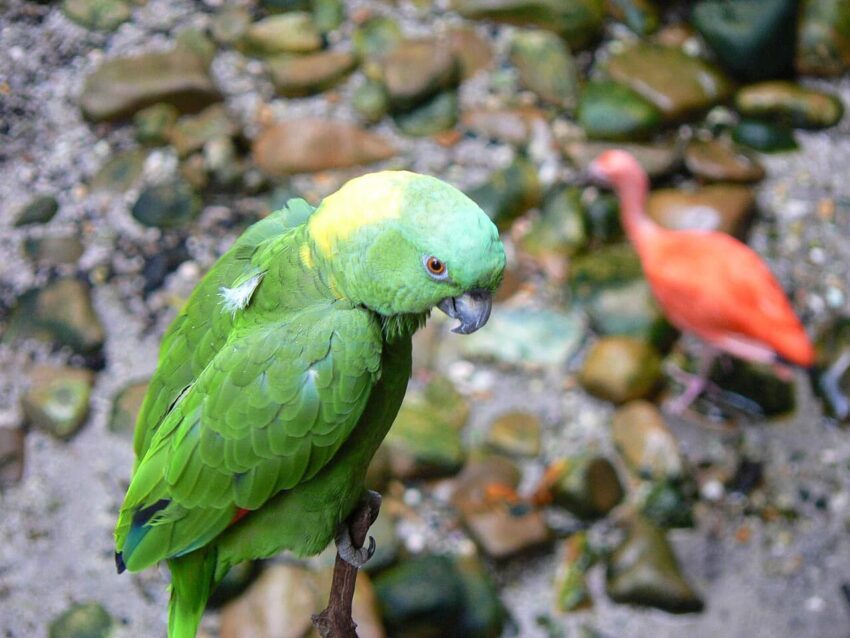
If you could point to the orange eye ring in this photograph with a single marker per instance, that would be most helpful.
(435, 267)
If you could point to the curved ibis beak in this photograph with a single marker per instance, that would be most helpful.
(472, 309)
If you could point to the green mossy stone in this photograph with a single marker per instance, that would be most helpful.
(167, 205)
(376, 37)
(669, 504)
(371, 101)
(767, 137)
(509, 193)
(300, 76)
(59, 313)
(572, 592)
(789, 102)
(434, 116)
(198, 42)
(587, 486)
(621, 369)
(641, 16)
(37, 211)
(53, 251)
(57, 401)
(579, 22)
(154, 123)
(99, 15)
(82, 620)
(679, 85)
(754, 39)
(120, 172)
(611, 111)
(421, 597)
(644, 571)
(328, 14)
(545, 66)
(292, 32)
(484, 615)
(823, 37)
(561, 229)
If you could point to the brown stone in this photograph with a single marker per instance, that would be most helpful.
(722, 161)
(305, 75)
(723, 207)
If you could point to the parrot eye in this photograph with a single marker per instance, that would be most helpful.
(435, 268)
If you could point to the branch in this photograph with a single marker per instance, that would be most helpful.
(335, 621)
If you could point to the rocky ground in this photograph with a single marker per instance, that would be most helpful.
(533, 484)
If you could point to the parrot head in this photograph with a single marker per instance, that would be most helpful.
(401, 243)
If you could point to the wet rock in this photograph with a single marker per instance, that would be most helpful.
(198, 42)
(415, 70)
(571, 590)
(82, 620)
(309, 145)
(832, 368)
(536, 337)
(723, 207)
(122, 86)
(424, 440)
(39, 210)
(753, 387)
(676, 83)
(168, 205)
(621, 369)
(328, 14)
(100, 15)
(235, 582)
(498, 528)
(292, 32)
(767, 137)
(53, 251)
(790, 102)
(11, 455)
(608, 285)
(587, 486)
(579, 22)
(421, 597)
(376, 37)
(58, 399)
(509, 192)
(561, 229)
(125, 408)
(545, 66)
(309, 74)
(472, 51)
(669, 504)
(657, 159)
(434, 116)
(62, 313)
(154, 123)
(282, 600)
(645, 442)
(511, 126)
(754, 39)
(641, 16)
(823, 38)
(644, 571)
(516, 434)
(119, 172)
(603, 218)
(371, 101)
(230, 25)
(483, 614)
(722, 161)
(191, 132)
(611, 111)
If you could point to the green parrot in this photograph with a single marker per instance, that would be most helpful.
(281, 376)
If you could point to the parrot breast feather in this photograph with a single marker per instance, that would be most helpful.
(267, 413)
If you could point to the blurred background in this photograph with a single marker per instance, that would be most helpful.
(533, 486)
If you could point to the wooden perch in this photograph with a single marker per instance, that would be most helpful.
(335, 621)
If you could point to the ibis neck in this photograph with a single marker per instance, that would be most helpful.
(637, 224)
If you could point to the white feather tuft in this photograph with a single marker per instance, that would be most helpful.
(238, 297)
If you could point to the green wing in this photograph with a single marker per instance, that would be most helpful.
(200, 330)
(267, 413)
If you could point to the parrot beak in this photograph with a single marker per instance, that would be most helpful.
(471, 308)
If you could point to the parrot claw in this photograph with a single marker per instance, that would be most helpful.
(354, 556)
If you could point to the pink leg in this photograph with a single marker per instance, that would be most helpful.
(694, 383)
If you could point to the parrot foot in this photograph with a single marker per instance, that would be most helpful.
(354, 556)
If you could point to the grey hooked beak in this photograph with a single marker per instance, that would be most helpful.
(471, 308)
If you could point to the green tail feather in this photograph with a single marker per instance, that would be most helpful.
(191, 584)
